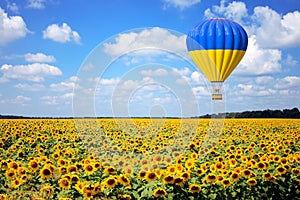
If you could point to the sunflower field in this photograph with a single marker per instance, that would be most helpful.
(149, 159)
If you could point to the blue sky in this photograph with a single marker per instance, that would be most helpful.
(52, 54)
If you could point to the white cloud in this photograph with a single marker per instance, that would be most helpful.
(183, 72)
(30, 87)
(11, 28)
(259, 61)
(12, 7)
(35, 72)
(181, 4)
(57, 99)
(272, 29)
(36, 4)
(264, 80)
(252, 90)
(201, 91)
(62, 33)
(290, 61)
(288, 82)
(234, 10)
(157, 72)
(50, 100)
(110, 81)
(39, 57)
(275, 30)
(22, 99)
(148, 39)
(65, 85)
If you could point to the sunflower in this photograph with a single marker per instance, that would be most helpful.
(179, 181)
(74, 178)
(190, 164)
(200, 172)
(283, 161)
(158, 158)
(235, 176)
(72, 168)
(185, 175)
(179, 168)
(167, 160)
(226, 182)
(13, 165)
(124, 196)
(124, 180)
(88, 195)
(111, 182)
(97, 188)
(219, 165)
(97, 165)
(3, 196)
(89, 169)
(247, 172)
(79, 186)
(110, 170)
(281, 169)
(128, 170)
(62, 162)
(194, 188)
(251, 182)
(47, 190)
(171, 169)
(260, 165)
(295, 171)
(10, 173)
(277, 158)
(16, 183)
(151, 176)
(63, 170)
(267, 176)
(142, 174)
(211, 178)
(33, 165)
(160, 192)
(169, 179)
(46, 173)
(64, 183)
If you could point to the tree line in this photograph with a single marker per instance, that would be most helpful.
(286, 113)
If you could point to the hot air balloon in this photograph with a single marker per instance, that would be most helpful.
(217, 46)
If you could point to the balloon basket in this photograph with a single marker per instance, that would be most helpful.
(216, 97)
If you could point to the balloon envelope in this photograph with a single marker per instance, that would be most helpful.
(216, 46)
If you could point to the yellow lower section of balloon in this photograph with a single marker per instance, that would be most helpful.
(217, 65)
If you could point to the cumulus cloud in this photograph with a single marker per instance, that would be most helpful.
(275, 30)
(39, 57)
(12, 7)
(30, 87)
(155, 38)
(288, 82)
(67, 85)
(36, 4)
(65, 98)
(272, 29)
(22, 99)
(11, 28)
(290, 61)
(35, 72)
(62, 34)
(259, 61)
(234, 10)
(157, 72)
(254, 90)
(181, 4)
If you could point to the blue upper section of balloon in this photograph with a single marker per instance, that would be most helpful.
(213, 34)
